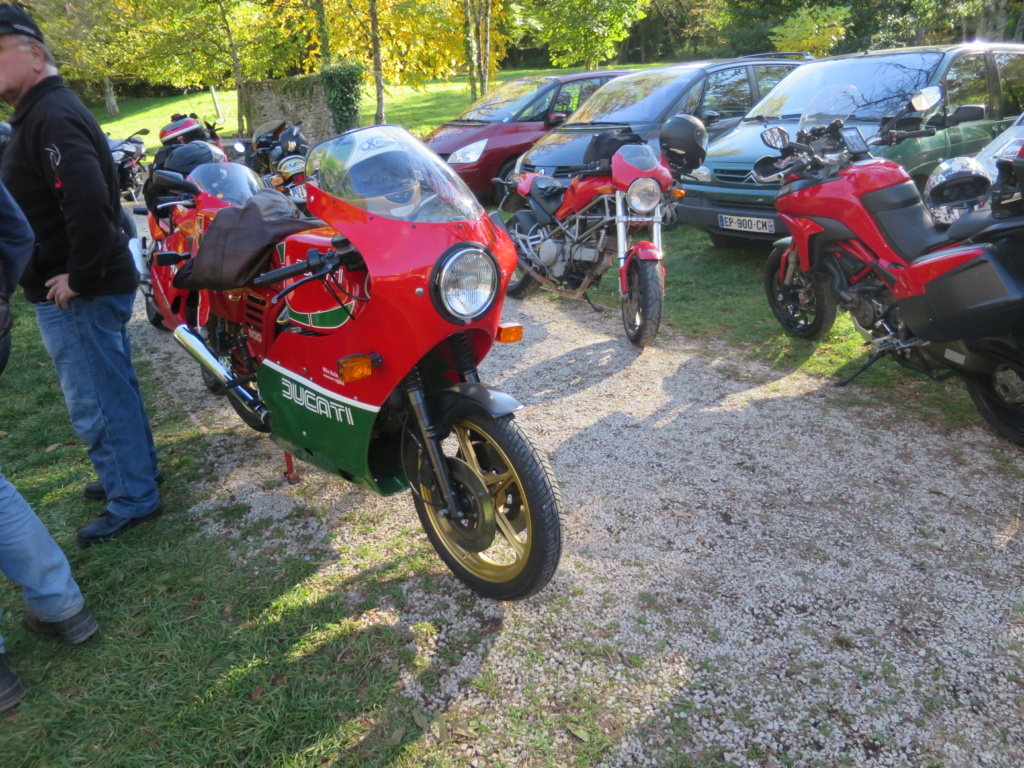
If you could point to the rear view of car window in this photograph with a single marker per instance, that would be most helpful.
(639, 98)
(1011, 80)
(885, 83)
(728, 92)
(769, 75)
(967, 83)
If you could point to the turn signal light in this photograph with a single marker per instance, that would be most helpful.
(277, 181)
(187, 226)
(357, 367)
(605, 189)
(509, 333)
(677, 192)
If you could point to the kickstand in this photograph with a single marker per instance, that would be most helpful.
(289, 469)
(870, 361)
(593, 306)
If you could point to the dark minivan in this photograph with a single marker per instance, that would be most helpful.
(718, 92)
(487, 139)
(983, 87)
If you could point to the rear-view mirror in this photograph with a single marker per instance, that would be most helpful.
(776, 138)
(926, 98)
(557, 118)
(173, 182)
(967, 113)
(710, 117)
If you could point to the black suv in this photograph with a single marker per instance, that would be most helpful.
(719, 92)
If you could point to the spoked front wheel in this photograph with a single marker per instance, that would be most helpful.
(644, 301)
(505, 540)
(805, 307)
(999, 398)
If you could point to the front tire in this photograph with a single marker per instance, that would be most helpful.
(508, 545)
(807, 307)
(153, 314)
(1003, 417)
(644, 301)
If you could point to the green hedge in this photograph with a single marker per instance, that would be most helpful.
(342, 89)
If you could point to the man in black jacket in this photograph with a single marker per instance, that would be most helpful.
(81, 276)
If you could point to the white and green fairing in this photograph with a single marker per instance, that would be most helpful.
(322, 427)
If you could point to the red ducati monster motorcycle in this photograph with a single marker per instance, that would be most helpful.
(358, 351)
(567, 237)
(940, 302)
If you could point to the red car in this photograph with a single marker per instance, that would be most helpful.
(485, 141)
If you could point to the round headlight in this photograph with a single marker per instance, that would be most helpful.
(644, 195)
(117, 155)
(467, 282)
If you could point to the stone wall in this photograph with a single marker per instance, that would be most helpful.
(294, 99)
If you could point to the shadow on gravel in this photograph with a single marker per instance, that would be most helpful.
(570, 372)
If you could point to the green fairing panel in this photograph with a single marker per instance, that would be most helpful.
(322, 428)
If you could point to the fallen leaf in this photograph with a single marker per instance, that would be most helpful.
(52, 448)
(2, 434)
(420, 719)
(396, 737)
(579, 733)
(257, 694)
(437, 726)
(461, 729)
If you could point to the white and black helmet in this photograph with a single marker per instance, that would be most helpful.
(955, 188)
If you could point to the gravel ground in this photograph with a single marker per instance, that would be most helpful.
(755, 572)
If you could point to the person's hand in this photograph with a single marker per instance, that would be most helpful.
(60, 293)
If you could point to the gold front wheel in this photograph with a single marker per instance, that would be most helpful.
(505, 540)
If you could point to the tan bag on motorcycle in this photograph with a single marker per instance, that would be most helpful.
(238, 244)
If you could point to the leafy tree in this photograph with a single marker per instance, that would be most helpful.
(584, 33)
(815, 30)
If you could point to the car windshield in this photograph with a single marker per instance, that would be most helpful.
(633, 99)
(506, 102)
(231, 182)
(385, 171)
(885, 84)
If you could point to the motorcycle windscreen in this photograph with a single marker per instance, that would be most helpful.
(385, 171)
(231, 182)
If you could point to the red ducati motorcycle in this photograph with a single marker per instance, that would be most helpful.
(358, 351)
(567, 237)
(940, 302)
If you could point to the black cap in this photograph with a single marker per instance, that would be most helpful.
(14, 21)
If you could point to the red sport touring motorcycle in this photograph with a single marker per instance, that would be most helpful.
(358, 351)
(940, 302)
(567, 237)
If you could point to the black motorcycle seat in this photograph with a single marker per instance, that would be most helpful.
(548, 193)
(982, 226)
(904, 220)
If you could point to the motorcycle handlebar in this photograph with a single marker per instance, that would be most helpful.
(282, 274)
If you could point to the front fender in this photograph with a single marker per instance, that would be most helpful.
(645, 250)
(471, 397)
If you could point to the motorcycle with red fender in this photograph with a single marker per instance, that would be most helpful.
(941, 302)
(567, 237)
(357, 350)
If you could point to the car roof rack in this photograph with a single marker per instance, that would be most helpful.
(780, 55)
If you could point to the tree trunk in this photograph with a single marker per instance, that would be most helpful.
(236, 65)
(470, 52)
(378, 71)
(108, 95)
(479, 40)
(1018, 33)
(485, 81)
(323, 31)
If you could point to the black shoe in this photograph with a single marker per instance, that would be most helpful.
(11, 689)
(94, 490)
(108, 526)
(74, 629)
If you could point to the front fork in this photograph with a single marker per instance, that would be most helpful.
(642, 250)
(432, 433)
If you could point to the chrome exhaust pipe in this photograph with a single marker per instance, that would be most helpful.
(195, 346)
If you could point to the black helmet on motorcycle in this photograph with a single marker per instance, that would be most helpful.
(383, 177)
(955, 188)
(684, 142)
(184, 158)
(292, 141)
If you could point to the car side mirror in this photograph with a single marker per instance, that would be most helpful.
(926, 98)
(557, 118)
(710, 117)
(967, 113)
(173, 182)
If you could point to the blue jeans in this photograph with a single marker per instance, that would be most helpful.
(89, 345)
(30, 557)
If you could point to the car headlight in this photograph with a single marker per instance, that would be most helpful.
(644, 195)
(466, 282)
(469, 153)
(118, 156)
(702, 174)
